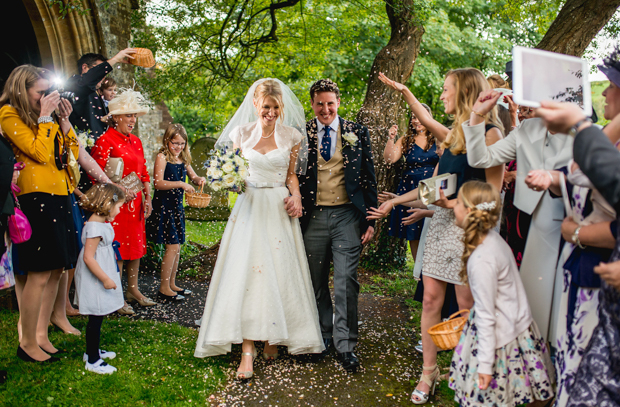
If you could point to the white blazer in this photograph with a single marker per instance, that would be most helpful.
(525, 144)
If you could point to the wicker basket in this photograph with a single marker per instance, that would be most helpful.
(143, 57)
(197, 199)
(446, 335)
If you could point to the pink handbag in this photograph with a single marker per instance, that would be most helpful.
(19, 227)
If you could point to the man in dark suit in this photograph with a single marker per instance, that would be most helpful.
(338, 188)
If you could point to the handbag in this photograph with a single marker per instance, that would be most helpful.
(7, 275)
(74, 169)
(20, 230)
(114, 169)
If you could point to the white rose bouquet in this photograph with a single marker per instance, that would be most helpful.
(85, 138)
(227, 169)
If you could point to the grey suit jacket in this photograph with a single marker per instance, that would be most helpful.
(600, 161)
(524, 144)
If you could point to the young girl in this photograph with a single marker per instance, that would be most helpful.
(167, 222)
(501, 358)
(107, 90)
(98, 287)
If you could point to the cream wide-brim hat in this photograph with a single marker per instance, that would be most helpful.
(128, 102)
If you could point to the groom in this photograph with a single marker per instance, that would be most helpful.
(337, 189)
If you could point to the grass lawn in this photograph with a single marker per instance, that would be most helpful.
(155, 363)
(207, 233)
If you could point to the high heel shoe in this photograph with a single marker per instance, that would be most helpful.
(183, 292)
(72, 331)
(271, 356)
(430, 380)
(26, 357)
(169, 298)
(145, 302)
(247, 375)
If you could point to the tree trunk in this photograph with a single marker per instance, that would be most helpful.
(577, 24)
(383, 107)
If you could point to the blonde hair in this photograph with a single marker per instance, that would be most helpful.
(478, 221)
(271, 89)
(175, 129)
(16, 88)
(409, 138)
(101, 198)
(496, 81)
(469, 82)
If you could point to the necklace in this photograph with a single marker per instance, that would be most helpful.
(270, 134)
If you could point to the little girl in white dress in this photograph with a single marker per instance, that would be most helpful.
(98, 289)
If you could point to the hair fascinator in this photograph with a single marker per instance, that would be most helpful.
(115, 198)
(611, 65)
(486, 206)
(129, 101)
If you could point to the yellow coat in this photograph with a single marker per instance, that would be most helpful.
(36, 150)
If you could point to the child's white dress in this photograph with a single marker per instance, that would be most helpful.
(90, 295)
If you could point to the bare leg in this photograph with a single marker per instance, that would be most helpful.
(20, 282)
(434, 295)
(175, 269)
(463, 296)
(413, 245)
(168, 267)
(47, 305)
(247, 362)
(70, 311)
(133, 268)
(59, 313)
(32, 296)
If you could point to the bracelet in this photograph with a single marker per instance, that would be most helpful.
(573, 130)
(479, 114)
(297, 195)
(45, 119)
(550, 176)
(575, 238)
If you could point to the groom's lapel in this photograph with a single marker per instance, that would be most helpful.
(312, 145)
(348, 153)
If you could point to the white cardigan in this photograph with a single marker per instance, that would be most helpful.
(502, 310)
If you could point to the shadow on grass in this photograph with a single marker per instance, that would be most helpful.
(155, 365)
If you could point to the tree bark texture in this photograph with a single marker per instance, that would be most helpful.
(577, 24)
(384, 107)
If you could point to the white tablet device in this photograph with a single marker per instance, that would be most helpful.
(543, 75)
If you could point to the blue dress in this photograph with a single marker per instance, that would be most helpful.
(419, 165)
(167, 222)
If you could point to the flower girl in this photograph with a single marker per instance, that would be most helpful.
(501, 358)
(97, 281)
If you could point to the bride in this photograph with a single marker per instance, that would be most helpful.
(261, 288)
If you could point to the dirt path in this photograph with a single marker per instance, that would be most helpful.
(386, 351)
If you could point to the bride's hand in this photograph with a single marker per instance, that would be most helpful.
(293, 206)
(392, 84)
(385, 196)
(380, 212)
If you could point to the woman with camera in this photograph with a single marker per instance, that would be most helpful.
(46, 143)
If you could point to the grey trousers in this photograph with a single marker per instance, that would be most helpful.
(334, 234)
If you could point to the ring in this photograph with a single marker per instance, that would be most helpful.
(535, 189)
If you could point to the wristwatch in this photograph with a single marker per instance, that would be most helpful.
(575, 238)
(573, 130)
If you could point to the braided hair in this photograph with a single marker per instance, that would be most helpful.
(485, 206)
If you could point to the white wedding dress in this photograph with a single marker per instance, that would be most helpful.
(261, 288)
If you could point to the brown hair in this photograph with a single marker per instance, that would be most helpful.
(503, 115)
(16, 88)
(496, 81)
(175, 129)
(271, 89)
(324, 85)
(469, 82)
(107, 83)
(478, 221)
(409, 138)
(101, 198)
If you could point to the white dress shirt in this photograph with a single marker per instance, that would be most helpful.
(333, 133)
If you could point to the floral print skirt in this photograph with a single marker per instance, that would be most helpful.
(523, 371)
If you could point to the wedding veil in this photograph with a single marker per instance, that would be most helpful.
(292, 116)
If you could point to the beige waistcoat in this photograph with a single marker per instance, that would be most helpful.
(330, 188)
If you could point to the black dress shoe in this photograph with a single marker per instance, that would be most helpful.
(349, 361)
(184, 292)
(169, 298)
(328, 342)
(26, 358)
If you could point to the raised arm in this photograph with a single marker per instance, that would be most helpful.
(393, 150)
(437, 129)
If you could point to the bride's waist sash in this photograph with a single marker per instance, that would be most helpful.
(265, 184)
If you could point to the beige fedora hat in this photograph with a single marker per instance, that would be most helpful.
(128, 102)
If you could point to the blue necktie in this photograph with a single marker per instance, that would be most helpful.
(326, 144)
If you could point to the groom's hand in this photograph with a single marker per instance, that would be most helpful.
(368, 234)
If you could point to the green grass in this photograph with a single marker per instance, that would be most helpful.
(155, 363)
(207, 233)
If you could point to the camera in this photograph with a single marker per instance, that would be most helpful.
(64, 94)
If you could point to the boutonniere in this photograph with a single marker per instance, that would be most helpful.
(350, 138)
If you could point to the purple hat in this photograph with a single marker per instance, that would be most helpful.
(611, 66)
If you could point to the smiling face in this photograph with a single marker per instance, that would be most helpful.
(448, 95)
(176, 145)
(268, 111)
(460, 211)
(125, 122)
(415, 124)
(325, 106)
(36, 92)
(109, 93)
(612, 101)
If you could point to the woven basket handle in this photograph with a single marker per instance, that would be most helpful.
(202, 187)
(456, 314)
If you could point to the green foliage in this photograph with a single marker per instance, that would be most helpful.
(383, 260)
(155, 363)
(206, 233)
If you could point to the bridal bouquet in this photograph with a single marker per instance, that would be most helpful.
(85, 138)
(227, 169)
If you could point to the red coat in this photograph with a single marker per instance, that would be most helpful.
(129, 223)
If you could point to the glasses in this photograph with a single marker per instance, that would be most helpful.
(178, 144)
